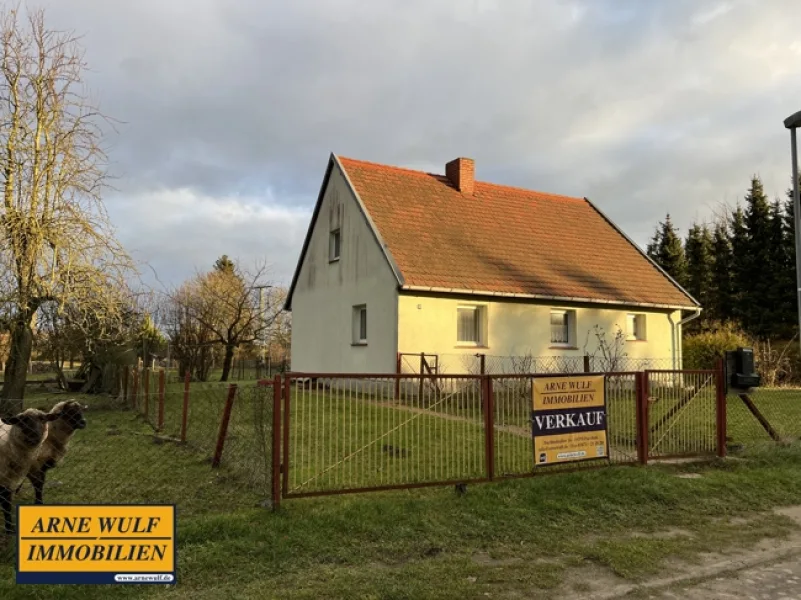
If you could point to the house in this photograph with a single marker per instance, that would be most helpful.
(398, 260)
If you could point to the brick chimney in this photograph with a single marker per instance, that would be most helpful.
(461, 173)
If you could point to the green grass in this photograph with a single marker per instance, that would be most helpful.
(780, 406)
(421, 543)
(430, 543)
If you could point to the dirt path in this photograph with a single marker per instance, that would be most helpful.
(772, 570)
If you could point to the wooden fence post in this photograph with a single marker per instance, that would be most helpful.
(162, 377)
(482, 358)
(185, 409)
(276, 490)
(125, 375)
(720, 406)
(587, 363)
(134, 403)
(226, 417)
(146, 386)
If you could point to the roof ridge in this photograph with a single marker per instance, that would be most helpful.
(516, 188)
(418, 172)
(390, 167)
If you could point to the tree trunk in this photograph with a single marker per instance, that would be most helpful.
(227, 361)
(16, 374)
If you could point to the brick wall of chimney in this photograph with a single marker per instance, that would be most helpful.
(461, 173)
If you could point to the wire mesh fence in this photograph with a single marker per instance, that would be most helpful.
(230, 422)
(763, 415)
(241, 370)
(682, 413)
(212, 446)
(477, 363)
(206, 448)
(347, 433)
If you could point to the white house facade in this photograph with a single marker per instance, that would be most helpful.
(402, 261)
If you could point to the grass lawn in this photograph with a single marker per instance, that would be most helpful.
(513, 537)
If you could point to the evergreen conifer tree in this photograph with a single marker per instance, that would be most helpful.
(720, 305)
(699, 248)
(668, 251)
(781, 301)
(757, 271)
(739, 279)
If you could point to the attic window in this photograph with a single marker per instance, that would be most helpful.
(333, 246)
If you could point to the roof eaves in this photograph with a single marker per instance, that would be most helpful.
(653, 263)
(307, 240)
(371, 224)
(573, 299)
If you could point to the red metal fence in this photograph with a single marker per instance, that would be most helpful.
(342, 433)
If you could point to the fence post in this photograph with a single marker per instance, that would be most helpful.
(146, 386)
(162, 377)
(226, 417)
(422, 367)
(587, 363)
(489, 425)
(642, 417)
(185, 409)
(276, 493)
(135, 388)
(125, 376)
(482, 363)
(285, 465)
(720, 407)
(398, 368)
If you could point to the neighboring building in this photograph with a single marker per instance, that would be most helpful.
(397, 260)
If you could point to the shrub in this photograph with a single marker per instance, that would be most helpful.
(701, 350)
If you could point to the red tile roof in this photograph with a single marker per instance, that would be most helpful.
(504, 240)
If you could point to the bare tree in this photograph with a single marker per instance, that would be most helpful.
(610, 354)
(192, 344)
(58, 247)
(223, 305)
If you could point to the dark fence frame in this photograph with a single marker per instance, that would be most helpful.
(282, 414)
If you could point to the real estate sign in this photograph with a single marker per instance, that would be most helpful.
(568, 419)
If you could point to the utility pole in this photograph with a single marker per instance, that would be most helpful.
(263, 324)
(261, 318)
(792, 123)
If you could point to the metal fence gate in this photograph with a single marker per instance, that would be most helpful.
(340, 433)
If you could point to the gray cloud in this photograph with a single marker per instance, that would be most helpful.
(643, 107)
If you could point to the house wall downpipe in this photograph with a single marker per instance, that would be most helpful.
(674, 332)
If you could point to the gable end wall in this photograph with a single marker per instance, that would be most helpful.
(326, 292)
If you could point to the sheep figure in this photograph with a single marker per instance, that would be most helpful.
(21, 436)
(69, 419)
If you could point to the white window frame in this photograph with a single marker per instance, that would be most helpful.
(334, 245)
(640, 332)
(569, 317)
(479, 317)
(359, 325)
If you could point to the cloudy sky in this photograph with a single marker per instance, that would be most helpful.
(231, 108)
